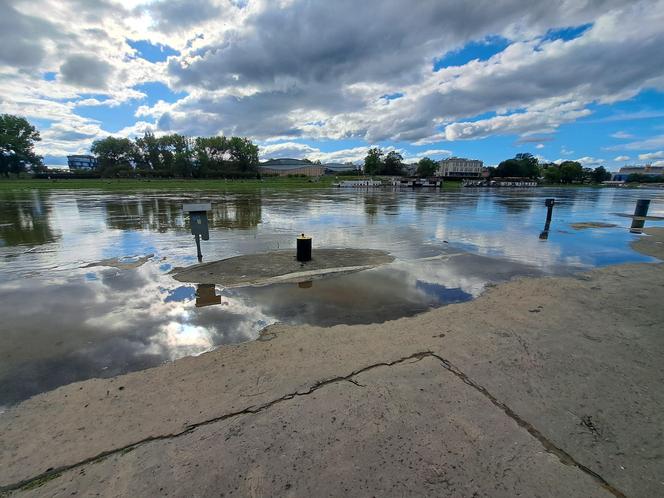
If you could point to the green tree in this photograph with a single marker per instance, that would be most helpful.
(509, 168)
(243, 154)
(115, 156)
(571, 171)
(211, 155)
(529, 165)
(393, 164)
(600, 174)
(147, 150)
(426, 167)
(522, 165)
(373, 162)
(17, 141)
(552, 174)
(180, 154)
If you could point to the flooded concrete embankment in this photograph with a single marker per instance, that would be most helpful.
(96, 266)
(539, 386)
(542, 386)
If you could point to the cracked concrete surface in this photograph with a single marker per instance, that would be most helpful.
(568, 398)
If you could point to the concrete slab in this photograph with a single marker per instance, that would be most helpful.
(652, 244)
(576, 360)
(411, 429)
(280, 266)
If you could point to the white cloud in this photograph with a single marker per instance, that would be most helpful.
(539, 146)
(619, 159)
(273, 71)
(651, 143)
(652, 155)
(622, 135)
(586, 161)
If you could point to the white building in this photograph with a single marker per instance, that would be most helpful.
(460, 167)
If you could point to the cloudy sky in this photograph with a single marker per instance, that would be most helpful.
(566, 79)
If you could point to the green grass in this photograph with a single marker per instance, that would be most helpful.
(166, 184)
(124, 185)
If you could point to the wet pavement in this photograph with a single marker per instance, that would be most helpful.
(66, 319)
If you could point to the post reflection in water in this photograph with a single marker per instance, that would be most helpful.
(103, 321)
(205, 295)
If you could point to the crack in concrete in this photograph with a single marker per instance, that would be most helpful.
(548, 445)
(190, 428)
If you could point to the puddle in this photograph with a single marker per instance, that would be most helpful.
(75, 307)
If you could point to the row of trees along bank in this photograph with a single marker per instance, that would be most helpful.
(176, 156)
(378, 162)
(526, 165)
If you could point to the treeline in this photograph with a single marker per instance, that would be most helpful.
(176, 155)
(378, 162)
(526, 165)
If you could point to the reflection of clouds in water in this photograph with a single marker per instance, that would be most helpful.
(117, 323)
(64, 323)
(509, 243)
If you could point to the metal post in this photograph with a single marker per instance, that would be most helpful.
(640, 213)
(303, 248)
(549, 203)
(198, 248)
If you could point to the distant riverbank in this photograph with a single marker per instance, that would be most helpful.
(131, 184)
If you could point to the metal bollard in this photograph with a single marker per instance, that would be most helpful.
(303, 248)
(549, 203)
(640, 213)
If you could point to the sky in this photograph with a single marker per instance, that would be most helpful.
(325, 80)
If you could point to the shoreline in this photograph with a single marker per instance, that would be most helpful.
(535, 349)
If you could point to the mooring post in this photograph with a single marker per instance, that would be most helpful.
(640, 213)
(198, 248)
(549, 203)
(199, 223)
(303, 248)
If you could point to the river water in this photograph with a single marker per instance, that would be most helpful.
(66, 318)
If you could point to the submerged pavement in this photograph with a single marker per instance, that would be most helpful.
(281, 266)
(540, 387)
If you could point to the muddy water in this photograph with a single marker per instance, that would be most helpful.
(85, 290)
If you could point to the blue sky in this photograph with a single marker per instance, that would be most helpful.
(327, 80)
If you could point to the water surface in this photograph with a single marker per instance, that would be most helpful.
(63, 320)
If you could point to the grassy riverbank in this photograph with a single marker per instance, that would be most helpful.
(278, 183)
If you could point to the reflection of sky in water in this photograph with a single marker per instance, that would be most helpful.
(63, 323)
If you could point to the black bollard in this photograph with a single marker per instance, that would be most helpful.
(640, 213)
(303, 248)
(549, 203)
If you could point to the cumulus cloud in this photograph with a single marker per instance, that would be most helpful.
(289, 71)
(651, 143)
(266, 76)
(86, 71)
(652, 155)
(619, 159)
(179, 15)
(586, 161)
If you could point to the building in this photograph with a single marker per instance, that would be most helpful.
(82, 162)
(459, 167)
(286, 166)
(334, 168)
(647, 170)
